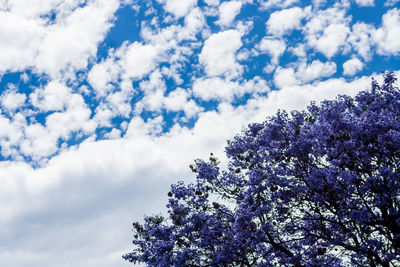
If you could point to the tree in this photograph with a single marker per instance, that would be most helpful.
(318, 187)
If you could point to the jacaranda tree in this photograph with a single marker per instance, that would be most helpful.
(319, 187)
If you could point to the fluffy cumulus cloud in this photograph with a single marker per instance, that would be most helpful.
(11, 100)
(286, 20)
(285, 77)
(274, 48)
(52, 97)
(327, 31)
(105, 103)
(303, 73)
(177, 7)
(101, 75)
(315, 70)
(387, 36)
(137, 59)
(228, 12)
(352, 66)
(361, 40)
(218, 54)
(179, 100)
(29, 39)
(226, 90)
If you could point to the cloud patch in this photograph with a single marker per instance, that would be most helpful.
(228, 11)
(352, 66)
(387, 37)
(286, 20)
(218, 55)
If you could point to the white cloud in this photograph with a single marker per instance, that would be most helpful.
(303, 73)
(284, 77)
(225, 90)
(26, 137)
(360, 39)
(274, 47)
(101, 74)
(283, 21)
(120, 103)
(352, 66)
(155, 99)
(254, 86)
(298, 96)
(177, 7)
(69, 44)
(53, 97)
(179, 100)
(194, 23)
(327, 31)
(333, 37)
(24, 77)
(104, 113)
(315, 70)
(215, 88)
(11, 100)
(38, 142)
(11, 134)
(365, 2)
(114, 134)
(137, 59)
(387, 37)
(365, 37)
(212, 2)
(228, 11)
(18, 41)
(139, 128)
(27, 39)
(114, 103)
(162, 45)
(152, 101)
(277, 3)
(153, 90)
(41, 141)
(41, 7)
(218, 53)
(299, 50)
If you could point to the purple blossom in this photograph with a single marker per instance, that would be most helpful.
(319, 187)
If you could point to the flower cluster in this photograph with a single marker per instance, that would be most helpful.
(319, 187)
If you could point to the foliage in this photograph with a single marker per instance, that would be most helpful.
(314, 188)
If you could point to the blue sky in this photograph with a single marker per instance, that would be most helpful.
(105, 103)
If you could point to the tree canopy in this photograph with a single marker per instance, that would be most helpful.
(319, 187)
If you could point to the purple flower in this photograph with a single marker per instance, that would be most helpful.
(319, 187)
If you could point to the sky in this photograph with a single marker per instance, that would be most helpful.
(105, 103)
